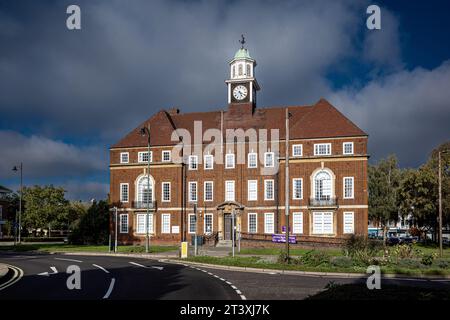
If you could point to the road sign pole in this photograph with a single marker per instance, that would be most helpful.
(232, 231)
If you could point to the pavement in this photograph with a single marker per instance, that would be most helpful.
(44, 276)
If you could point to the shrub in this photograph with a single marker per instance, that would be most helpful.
(315, 258)
(409, 263)
(427, 259)
(441, 263)
(404, 251)
(342, 262)
(283, 257)
(361, 249)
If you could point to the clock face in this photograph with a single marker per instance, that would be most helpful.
(240, 92)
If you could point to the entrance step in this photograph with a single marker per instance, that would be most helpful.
(224, 244)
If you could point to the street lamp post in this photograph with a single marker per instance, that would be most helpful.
(196, 226)
(146, 131)
(15, 169)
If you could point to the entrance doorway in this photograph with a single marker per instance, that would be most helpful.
(227, 226)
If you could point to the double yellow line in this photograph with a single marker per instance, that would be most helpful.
(18, 274)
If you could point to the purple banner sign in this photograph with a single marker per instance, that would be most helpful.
(281, 238)
(283, 229)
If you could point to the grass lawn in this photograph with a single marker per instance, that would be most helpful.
(258, 262)
(391, 292)
(83, 248)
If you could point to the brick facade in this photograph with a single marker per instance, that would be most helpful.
(321, 201)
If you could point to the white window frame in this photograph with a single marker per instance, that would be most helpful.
(232, 182)
(343, 148)
(265, 189)
(121, 192)
(122, 154)
(192, 163)
(210, 156)
(151, 227)
(293, 188)
(165, 223)
(204, 223)
(227, 163)
(249, 162)
(317, 149)
(265, 159)
(297, 226)
(293, 150)
(162, 191)
(165, 152)
(248, 222)
(266, 229)
(322, 229)
(121, 217)
(212, 190)
(191, 224)
(141, 156)
(255, 198)
(345, 225)
(190, 191)
(352, 196)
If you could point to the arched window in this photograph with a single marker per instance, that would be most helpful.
(248, 70)
(144, 190)
(240, 69)
(234, 71)
(322, 186)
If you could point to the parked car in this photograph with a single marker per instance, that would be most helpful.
(408, 240)
(392, 241)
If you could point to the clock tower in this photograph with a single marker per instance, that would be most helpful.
(242, 84)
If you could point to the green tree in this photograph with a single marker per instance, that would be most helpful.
(419, 195)
(93, 227)
(384, 181)
(45, 207)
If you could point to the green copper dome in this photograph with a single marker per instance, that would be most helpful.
(242, 53)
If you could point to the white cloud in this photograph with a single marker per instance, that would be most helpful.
(46, 158)
(407, 113)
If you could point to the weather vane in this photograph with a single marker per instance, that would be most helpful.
(242, 41)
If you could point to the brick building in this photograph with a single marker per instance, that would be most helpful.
(234, 160)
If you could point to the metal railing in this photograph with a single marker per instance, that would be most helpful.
(143, 204)
(323, 202)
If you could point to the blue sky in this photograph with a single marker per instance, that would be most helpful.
(66, 96)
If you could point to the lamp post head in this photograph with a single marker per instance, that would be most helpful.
(15, 169)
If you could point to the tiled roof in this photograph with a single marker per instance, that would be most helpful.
(321, 120)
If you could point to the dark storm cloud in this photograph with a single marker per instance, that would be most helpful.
(132, 58)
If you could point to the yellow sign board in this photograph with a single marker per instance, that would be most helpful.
(184, 250)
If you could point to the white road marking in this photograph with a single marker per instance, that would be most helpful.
(48, 274)
(18, 274)
(100, 267)
(110, 289)
(147, 267)
(228, 282)
(72, 260)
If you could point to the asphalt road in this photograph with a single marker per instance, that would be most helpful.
(110, 278)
